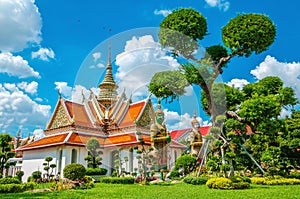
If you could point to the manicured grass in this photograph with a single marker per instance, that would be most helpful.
(179, 191)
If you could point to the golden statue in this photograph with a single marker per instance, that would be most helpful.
(195, 136)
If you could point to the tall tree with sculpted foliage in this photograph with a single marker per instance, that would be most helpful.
(181, 32)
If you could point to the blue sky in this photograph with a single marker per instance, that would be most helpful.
(51, 45)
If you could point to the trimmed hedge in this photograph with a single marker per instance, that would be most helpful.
(195, 180)
(10, 181)
(117, 180)
(14, 188)
(275, 181)
(95, 171)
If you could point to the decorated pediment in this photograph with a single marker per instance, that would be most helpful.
(146, 116)
(59, 118)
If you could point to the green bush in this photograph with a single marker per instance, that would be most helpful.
(30, 179)
(195, 180)
(174, 174)
(240, 179)
(36, 175)
(95, 171)
(74, 171)
(117, 180)
(87, 183)
(186, 162)
(294, 175)
(10, 181)
(14, 188)
(19, 175)
(240, 185)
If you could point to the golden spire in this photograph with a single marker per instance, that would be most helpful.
(108, 87)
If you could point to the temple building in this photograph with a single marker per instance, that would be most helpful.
(110, 118)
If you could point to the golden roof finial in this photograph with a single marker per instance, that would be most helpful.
(158, 107)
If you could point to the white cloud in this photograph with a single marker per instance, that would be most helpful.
(238, 83)
(162, 12)
(29, 88)
(100, 65)
(11, 87)
(174, 121)
(20, 24)
(76, 93)
(141, 59)
(39, 133)
(96, 56)
(288, 72)
(221, 4)
(44, 54)
(64, 89)
(16, 66)
(17, 109)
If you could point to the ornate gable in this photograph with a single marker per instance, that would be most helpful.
(145, 118)
(59, 118)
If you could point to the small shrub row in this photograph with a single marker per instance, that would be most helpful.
(10, 181)
(226, 183)
(14, 188)
(117, 180)
(95, 171)
(294, 175)
(195, 180)
(275, 181)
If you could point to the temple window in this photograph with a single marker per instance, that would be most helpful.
(74, 156)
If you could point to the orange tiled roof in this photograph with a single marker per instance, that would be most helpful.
(132, 114)
(121, 139)
(78, 112)
(76, 138)
(46, 141)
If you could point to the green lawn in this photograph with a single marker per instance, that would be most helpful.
(179, 191)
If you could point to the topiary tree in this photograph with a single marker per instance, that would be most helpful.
(20, 174)
(145, 158)
(181, 32)
(5, 152)
(185, 162)
(93, 147)
(74, 171)
(36, 175)
(49, 166)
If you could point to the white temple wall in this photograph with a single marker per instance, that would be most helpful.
(33, 161)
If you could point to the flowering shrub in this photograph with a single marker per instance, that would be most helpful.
(275, 181)
(226, 183)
